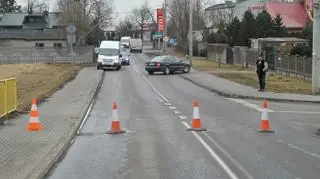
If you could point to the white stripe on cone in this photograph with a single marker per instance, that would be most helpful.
(196, 114)
(34, 119)
(34, 107)
(115, 115)
(264, 114)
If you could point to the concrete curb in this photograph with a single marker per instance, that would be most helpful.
(232, 95)
(69, 140)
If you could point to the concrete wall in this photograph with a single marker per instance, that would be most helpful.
(32, 43)
(45, 55)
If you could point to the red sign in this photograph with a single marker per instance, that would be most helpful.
(160, 19)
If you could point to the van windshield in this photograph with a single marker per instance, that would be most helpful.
(109, 51)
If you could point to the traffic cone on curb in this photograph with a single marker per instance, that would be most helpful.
(264, 122)
(196, 122)
(115, 124)
(34, 123)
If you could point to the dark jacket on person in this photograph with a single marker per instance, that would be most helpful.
(262, 67)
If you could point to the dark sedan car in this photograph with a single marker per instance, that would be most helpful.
(166, 64)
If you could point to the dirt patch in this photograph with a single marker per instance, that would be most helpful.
(274, 82)
(38, 80)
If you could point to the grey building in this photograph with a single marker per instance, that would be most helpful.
(32, 30)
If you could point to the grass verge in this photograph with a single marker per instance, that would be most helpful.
(38, 80)
(274, 82)
(236, 73)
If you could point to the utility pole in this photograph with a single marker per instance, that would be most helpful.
(316, 48)
(165, 34)
(190, 31)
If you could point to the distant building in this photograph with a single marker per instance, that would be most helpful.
(295, 14)
(32, 30)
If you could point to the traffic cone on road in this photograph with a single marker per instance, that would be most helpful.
(34, 123)
(264, 122)
(196, 122)
(115, 124)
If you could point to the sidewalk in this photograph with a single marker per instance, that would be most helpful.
(235, 90)
(29, 155)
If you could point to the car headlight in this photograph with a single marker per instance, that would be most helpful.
(116, 60)
(99, 60)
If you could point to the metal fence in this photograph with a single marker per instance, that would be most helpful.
(289, 65)
(8, 96)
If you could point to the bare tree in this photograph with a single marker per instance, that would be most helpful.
(36, 6)
(179, 18)
(86, 15)
(141, 16)
(126, 27)
(221, 17)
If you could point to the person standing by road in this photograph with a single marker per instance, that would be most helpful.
(262, 67)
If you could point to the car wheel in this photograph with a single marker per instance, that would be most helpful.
(186, 69)
(150, 72)
(167, 71)
(118, 68)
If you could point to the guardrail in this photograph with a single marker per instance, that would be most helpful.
(8, 96)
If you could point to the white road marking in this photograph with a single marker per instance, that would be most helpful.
(172, 107)
(183, 117)
(299, 149)
(249, 105)
(167, 104)
(229, 156)
(213, 154)
(299, 112)
(177, 112)
(85, 118)
(147, 81)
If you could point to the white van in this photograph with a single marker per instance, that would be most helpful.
(125, 41)
(135, 45)
(109, 55)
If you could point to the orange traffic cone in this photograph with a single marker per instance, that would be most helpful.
(264, 123)
(34, 123)
(196, 122)
(115, 124)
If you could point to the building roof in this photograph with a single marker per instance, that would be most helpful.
(12, 19)
(48, 34)
(17, 19)
(293, 14)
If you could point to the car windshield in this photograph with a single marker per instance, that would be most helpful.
(109, 51)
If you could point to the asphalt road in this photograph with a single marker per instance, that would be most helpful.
(156, 110)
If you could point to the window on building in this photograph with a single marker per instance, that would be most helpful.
(57, 45)
(40, 45)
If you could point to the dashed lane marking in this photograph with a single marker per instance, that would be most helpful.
(299, 149)
(177, 112)
(172, 107)
(183, 117)
(167, 104)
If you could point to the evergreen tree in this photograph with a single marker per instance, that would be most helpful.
(9, 6)
(234, 30)
(264, 24)
(248, 28)
(278, 28)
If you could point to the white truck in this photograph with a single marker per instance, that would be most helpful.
(135, 45)
(109, 55)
